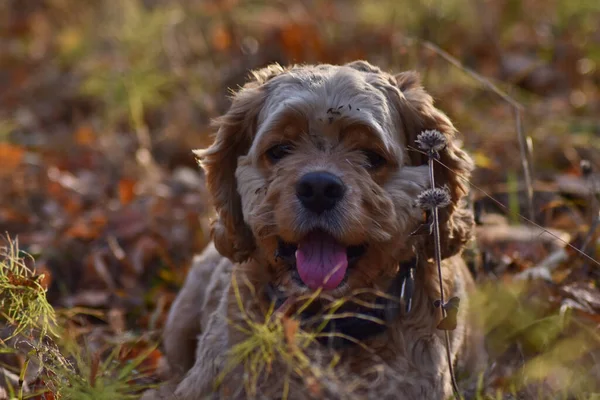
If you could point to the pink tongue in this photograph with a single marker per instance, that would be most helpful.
(321, 261)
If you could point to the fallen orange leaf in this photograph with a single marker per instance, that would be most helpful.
(11, 156)
(313, 386)
(85, 135)
(44, 274)
(301, 40)
(88, 228)
(221, 38)
(126, 191)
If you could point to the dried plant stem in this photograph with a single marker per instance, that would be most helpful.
(524, 149)
(594, 213)
(590, 233)
(503, 207)
(515, 105)
(483, 81)
(438, 261)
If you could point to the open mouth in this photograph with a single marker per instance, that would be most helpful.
(319, 260)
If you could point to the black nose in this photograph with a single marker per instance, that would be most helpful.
(320, 191)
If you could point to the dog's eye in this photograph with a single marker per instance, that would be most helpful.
(279, 151)
(374, 159)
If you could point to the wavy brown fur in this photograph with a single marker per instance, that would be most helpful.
(329, 113)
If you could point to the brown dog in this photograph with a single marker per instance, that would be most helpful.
(314, 177)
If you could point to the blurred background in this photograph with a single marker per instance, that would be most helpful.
(101, 103)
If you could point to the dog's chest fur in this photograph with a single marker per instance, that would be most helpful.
(406, 361)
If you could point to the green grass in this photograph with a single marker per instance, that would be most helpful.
(275, 340)
(23, 303)
(39, 335)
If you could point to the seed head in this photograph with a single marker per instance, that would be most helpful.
(437, 197)
(586, 168)
(431, 141)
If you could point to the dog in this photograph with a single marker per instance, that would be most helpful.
(314, 173)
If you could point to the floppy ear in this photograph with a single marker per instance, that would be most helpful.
(236, 130)
(417, 114)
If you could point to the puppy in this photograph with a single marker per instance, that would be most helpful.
(314, 175)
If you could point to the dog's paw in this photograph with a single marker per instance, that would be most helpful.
(164, 392)
(151, 394)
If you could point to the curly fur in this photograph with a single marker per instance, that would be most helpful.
(330, 113)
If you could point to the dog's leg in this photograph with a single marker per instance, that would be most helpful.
(191, 326)
(199, 382)
(184, 322)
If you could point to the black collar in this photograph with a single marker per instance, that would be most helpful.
(374, 318)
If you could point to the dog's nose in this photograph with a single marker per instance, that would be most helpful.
(320, 191)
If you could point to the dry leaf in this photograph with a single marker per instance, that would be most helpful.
(116, 320)
(11, 157)
(126, 191)
(585, 294)
(450, 322)
(85, 135)
(88, 228)
(299, 40)
(221, 38)
(290, 329)
(313, 386)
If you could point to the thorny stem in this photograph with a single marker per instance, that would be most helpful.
(438, 261)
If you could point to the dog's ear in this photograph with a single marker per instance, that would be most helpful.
(417, 113)
(235, 132)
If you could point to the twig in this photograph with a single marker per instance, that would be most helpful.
(499, 204)
(524, 149)
(594, 212)
(432, 142)
(590, 233)
(455, 62)
(516, 106)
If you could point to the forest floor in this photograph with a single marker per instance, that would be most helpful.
(102, 102)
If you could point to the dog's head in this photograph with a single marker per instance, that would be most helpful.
(313, 174)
